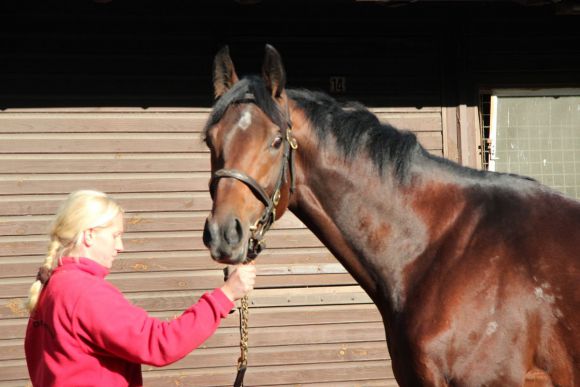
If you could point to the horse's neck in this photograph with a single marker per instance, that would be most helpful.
(375, 226)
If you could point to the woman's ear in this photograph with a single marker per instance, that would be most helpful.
(88, 237)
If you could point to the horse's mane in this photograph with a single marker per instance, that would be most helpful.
(356, 129)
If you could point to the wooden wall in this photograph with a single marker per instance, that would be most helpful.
(310, 322)
(113, 97)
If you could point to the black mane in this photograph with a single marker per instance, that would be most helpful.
(356, 129)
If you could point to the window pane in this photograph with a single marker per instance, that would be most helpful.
(539, 137)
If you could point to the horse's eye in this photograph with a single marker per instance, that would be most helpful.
(277, 142)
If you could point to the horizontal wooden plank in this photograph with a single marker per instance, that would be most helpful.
(286, 355)
(390, 382)
(26, 266)
(13, 370)
(134, 222)
(255, 376)
(102, 122)
(431, 140)
(101, 143)
(14, 328)
(37, 204)
(160, 241)
(358, 383)
(16, 383)
(114, 110)
(290, 276)
(260, 298)
(428, 119)
(109, 162)
(136, 163)
(260, 357)
(11, 350)
(405, 110)
(415, 122)
(262, 337)
(304, 335)
(171, 111)
(283, 315)
(74, 143)
(107, 182)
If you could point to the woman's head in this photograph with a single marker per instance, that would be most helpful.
(81, 219)
(88, 224)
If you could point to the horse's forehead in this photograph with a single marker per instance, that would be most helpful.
(245, 119)
(241, 117)
(240, 123)
(236, 116)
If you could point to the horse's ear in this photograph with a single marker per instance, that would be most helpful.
(273, 71)
(224, 73)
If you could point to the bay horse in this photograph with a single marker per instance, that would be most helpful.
(475, 273)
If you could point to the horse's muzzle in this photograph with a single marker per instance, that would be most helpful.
(226, 242)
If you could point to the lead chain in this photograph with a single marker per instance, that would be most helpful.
(244, 313)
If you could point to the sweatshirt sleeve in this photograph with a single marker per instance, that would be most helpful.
(105, 319)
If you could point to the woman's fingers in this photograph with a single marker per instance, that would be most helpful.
(241, 281)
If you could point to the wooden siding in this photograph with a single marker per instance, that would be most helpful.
(310, 323)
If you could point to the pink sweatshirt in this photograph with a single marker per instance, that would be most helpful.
(84, 332)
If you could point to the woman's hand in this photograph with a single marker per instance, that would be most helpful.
(241, 281)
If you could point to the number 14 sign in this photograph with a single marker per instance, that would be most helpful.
(338, 85)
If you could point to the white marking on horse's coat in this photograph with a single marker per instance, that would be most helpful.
(491, 328)
(540, 295)
(246, 120)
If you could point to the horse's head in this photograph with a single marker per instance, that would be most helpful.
(250, 139)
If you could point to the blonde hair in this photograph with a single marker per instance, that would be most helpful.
(82, 210)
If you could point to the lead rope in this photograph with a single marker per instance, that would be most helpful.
(243, 359)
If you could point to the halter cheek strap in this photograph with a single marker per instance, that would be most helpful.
(263, 224)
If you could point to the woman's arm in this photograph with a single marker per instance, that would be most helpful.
(108, 322)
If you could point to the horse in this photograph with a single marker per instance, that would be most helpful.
(475, 273)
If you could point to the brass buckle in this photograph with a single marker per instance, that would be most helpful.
(291, 139)
(276, 197)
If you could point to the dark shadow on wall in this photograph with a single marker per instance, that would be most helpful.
(159, 53)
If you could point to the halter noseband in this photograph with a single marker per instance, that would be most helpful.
(263, 224)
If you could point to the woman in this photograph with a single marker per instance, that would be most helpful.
(82, 331)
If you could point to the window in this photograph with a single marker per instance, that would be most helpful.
(534, 133)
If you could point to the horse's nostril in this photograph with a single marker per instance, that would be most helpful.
(233, 234)
(207, 237)
(239, 230)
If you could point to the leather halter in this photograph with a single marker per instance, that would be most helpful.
(263, 224)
